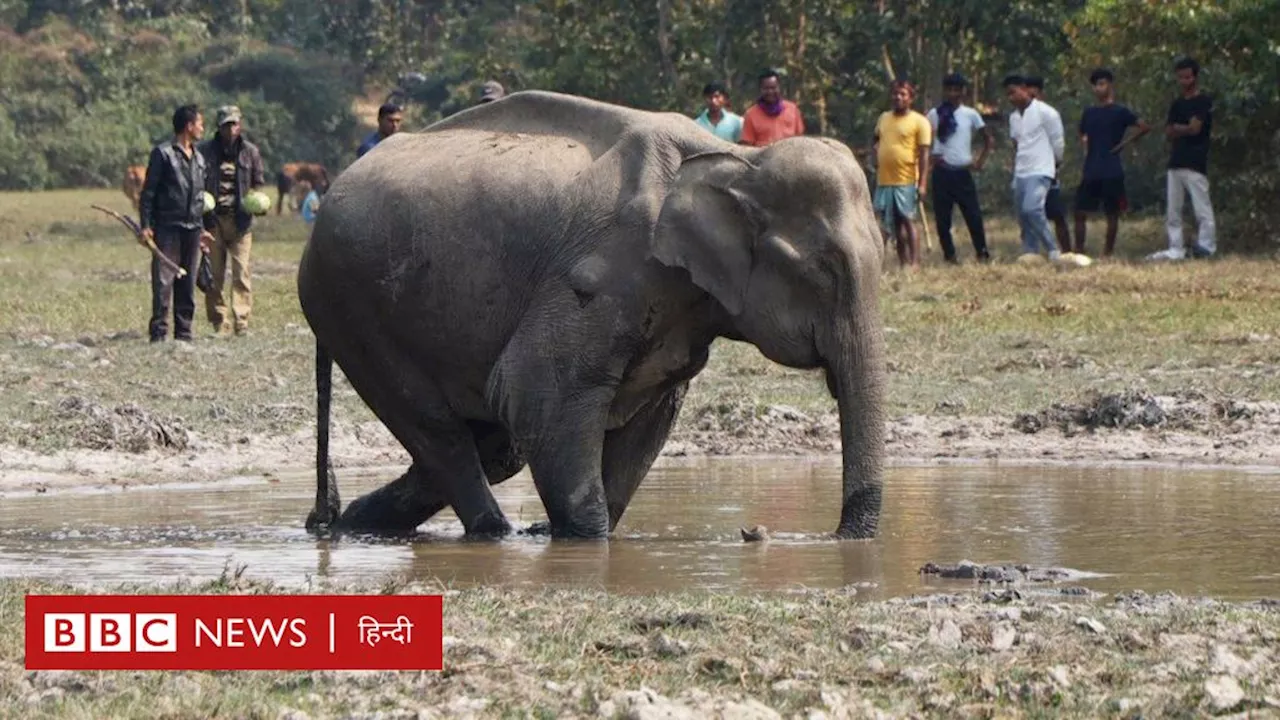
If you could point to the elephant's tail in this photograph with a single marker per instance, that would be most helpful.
(328, 504)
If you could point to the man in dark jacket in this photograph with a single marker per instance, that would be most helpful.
(170, 213)
(235, 169)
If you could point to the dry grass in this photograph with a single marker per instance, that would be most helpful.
(582, 653)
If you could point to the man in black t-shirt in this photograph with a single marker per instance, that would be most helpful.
(1102, 133)
(1190, 122)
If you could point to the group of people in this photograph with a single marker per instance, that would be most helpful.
(908, 159)
(174, 217)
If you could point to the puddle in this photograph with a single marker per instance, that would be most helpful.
(1193, 533)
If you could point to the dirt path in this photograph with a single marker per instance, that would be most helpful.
(1117, 429)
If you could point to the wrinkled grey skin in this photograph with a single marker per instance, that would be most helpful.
(537, 280)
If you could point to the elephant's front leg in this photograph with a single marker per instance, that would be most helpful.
(554, 398)
(565, 461)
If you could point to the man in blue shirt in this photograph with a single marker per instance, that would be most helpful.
(1102, 132)
(389, 118)
(718, 120)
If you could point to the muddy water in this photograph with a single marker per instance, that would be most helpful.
(1151, 529)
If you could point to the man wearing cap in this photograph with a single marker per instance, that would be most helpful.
(954, 126)
(389, 118)
(490, 91)
(235, 169)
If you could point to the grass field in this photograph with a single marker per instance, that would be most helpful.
(997, 339)
(523, 654)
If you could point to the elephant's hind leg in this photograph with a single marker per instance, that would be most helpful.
(446, 468)
(397, 507)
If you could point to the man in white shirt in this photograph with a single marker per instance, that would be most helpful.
(1053, 207)
(951, 161)
(1039, 143)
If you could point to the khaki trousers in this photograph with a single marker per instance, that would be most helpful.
(229, 244)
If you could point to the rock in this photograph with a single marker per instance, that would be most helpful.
(1222, 693)
(1058, 674)
(1125, 706)
(947, 636)
(875, 666)
(1002, 637)
(757, 533)
(1224, 662)
(1091, 625)
(63, 679)
(661, 645)
(645, 704)
(288, 713)
(69, 347)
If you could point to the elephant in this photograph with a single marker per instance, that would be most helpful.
(535, 281)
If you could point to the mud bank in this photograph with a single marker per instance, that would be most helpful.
(585, 654)
(125, 447)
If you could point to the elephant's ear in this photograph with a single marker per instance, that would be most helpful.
(709, 227)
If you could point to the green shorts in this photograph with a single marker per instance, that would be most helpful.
(896, 200)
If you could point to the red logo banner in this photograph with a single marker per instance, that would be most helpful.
(234, 632)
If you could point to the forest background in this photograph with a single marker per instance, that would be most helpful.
(86, 86)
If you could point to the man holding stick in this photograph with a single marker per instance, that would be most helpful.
(171, 211)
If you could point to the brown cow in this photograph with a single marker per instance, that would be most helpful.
(134, 177)
(290, 174)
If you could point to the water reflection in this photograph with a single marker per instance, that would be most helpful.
(1191, 532)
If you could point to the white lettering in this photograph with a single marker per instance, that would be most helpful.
(299, 628)
(232, 632)
(235, 630)
(110, 632)
(214, 636)
(156, 632)
(64, 632)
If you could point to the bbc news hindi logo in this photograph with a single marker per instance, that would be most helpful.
(234, 632)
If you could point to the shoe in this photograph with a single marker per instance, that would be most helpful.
(157, 338)
(985, 258)
(1169, 254)
(1055, 255)
(242, 330)
(1199, 252)
(184, 338)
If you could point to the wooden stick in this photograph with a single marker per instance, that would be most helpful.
(137, 233)
(924, 221)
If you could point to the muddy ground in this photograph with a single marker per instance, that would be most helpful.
(126, 445)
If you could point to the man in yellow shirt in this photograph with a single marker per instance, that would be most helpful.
(902, 141)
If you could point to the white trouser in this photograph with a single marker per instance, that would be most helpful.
(1181, 183)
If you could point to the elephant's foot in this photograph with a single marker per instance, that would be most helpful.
(393, 509)
(864, 530)
(543, 528)
(322, 518)
(488, 526)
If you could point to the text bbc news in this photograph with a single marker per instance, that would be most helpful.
(228, 632)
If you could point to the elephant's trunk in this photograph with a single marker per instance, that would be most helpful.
(859, 380)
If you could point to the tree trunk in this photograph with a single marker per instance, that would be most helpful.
(664, 47)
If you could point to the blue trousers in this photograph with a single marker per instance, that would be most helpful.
(1029, 194)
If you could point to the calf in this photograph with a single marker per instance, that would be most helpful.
(314, 174)
(134, 177)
